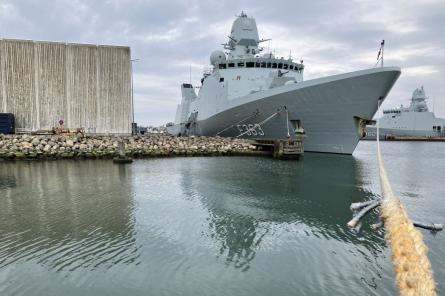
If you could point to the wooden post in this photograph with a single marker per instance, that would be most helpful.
(121, 148)
(121, 158)
(288, 149)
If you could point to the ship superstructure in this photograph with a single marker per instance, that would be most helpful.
(413, 121)
(253, 95)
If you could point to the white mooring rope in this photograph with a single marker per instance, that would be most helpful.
(412, 268)
(287, 121)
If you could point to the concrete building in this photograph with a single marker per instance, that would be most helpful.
(87, 86)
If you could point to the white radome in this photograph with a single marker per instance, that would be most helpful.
(217, 57)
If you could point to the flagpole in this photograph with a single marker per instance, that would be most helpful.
(383, 47)
(380, 54)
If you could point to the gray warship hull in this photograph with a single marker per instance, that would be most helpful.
(414, 122)
(371, 133)
(332, 110)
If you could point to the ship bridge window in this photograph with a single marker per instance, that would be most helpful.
(250, 64)
(291, 67)
(280, 66)
(439, 128)
(222, 66)
(285, 66)
(221, 79)
(274, 65)
(241, 65)
(269, 65)
(231, 65)
(257, 64)
(434, 127)
(263, 65)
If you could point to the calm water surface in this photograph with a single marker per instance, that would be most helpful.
(210, 226)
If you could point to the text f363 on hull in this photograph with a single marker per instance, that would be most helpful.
(247, 94)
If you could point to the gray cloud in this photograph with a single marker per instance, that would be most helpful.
(170, 36)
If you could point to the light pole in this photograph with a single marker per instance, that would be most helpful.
(133, 126)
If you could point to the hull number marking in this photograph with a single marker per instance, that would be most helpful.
(250, 129)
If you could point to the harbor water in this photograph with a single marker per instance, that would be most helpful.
(211, 226)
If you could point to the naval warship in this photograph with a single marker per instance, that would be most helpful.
(247, 94)
(412, 121)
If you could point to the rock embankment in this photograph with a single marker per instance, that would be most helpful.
(13, 147)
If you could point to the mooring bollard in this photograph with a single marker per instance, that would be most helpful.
(121, 158)
(121, 148)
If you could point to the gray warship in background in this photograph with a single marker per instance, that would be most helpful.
(413, 121)
(247, 94)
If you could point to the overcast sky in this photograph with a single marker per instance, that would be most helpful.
(170, 36)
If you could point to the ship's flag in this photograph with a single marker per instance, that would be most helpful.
(380, 50)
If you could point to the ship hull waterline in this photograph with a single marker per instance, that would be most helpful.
(327, 108)
(371, 133)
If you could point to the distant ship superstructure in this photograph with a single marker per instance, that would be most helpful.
(412, 121)
(246, 94)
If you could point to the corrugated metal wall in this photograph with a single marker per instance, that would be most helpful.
(87, 86)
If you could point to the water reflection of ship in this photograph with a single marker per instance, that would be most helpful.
(248, 201)
(51, 215)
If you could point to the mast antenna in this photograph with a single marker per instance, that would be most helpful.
(434, 103)
(190, 74)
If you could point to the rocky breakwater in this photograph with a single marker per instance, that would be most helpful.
(15, 147)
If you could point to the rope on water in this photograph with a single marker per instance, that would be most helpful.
(412, 268)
